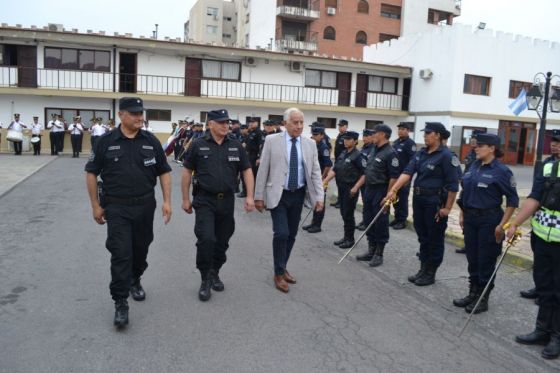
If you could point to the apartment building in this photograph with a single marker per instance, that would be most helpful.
(53, 70)
(466, 77)
(213, 22)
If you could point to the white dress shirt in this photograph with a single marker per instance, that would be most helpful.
(58, 126)
(301, 175)
(17, 126)
(36, 128)
(97, 130)
(76, 128)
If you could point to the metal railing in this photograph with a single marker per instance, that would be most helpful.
(179, 86)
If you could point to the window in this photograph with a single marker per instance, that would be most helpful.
(212, 11)
(372, 123)
(8, 55)
(385, 37)
(276, 117)
(438, 17)
(227, 36)
(390, 11)
(515, 87)
(329, 33)
(227, 19)
(327, 122)
(381, 84)
(363, 6)
(361, 37)
(221, 70)
(86, 114)
(77, 59)
(477, 85)
(321, 79)
(211, 29)
(331, 3)
(156, 114)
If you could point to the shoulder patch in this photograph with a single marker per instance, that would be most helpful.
(512, 181)
(364, 162)
(91, 157)
(413, 147)
(395, 162)
(326, 152)
(455, 161)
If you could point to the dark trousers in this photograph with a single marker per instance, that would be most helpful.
(347, 209)
(431, 234)
(318, 217)
(17, 147)
(546, 271)
(52, 138)
(37, 145)
(214, 226)
(75, 140)
(80, 141)
(93, 141)
(379, 231)
(285, 223)
(401, 207)
(59, 141)
(480, 244)
(129, 234)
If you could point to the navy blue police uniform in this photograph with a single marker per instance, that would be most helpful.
(471, 156)
(338, 149)
(366, 150)
(324, 155)
(405, 148)
(253, 147)
(483, 188)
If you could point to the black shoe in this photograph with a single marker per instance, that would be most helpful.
(204, 293)
(217, 284)
(346, 244)
(361, 227)
(314, 229)
(337, 205)
(306, 227)
(337, 243)
(399, 225)
(137, 291)
(529, 294)
(418, 274)
(471, 297)
(377, 259)
(482, 305)
(395, 221)
(552, 349)
(541, 334)
(461, 251)
(428, 277)
(121, 313)
(368, 255)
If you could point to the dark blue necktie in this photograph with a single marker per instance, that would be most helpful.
(293, 177)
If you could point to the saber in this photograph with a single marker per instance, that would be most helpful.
(510, 243)
(382, 210)
(304, 219)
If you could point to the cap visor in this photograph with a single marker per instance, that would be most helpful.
(134, 109)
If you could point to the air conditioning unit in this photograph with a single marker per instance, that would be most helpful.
(56, 27)
(296, 66)
(331, 11)
(250, 61)
(426, 74)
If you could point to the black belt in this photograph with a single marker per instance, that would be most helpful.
(130, 201)
(426, 191)
(295, 190)
(222, 195)
(481, 212)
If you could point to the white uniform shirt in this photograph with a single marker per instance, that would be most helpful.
(97, 130)
(58, 126)
(17, 126)
(36, 128)
(76, 128)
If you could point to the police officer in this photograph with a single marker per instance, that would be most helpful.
(244, 131)
(471, 156)
(129, 161)
(348, 169)
(277, 126)
(554, 156)
(216, 160)
(338, 149)
(482, 219)
(36, 129)
(406, 148)
(436, 175)
(325, 163)
(367, 147)
(76, 129)
(543, 204)
(253, 144)
(235, 124)
(381, 173)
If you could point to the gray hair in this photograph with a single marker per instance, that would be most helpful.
(288, 113)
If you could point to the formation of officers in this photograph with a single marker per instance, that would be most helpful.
(380, 171)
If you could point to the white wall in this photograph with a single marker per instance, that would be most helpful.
(262, 23)
(415, 14)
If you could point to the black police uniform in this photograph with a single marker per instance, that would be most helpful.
(216, 168)
(483, 188)
(405, 148)
(129, 169)
(348, 168)
(366, 150)
(469, 159)
(436, 173)
(325, 161)
(253, 147)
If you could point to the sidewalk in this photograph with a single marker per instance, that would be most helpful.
(15, 169)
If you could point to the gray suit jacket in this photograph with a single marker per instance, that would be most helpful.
(274, 167)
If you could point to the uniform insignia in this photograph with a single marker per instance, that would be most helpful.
(326, 153)
(455, 161)
(232, 149)
(233, 159)
(147, 147)
(378, 159)
(399, 150)
(364, 163)
(204, 148)
(395, 162)
(431, 167)
(115, 147)
(149, 162)
(347, 160)
(413, 147)
(512, 182)
(91, 157)
(482, 185)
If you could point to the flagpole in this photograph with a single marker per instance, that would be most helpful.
(542, 128)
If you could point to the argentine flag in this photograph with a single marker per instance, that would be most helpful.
(519, 105)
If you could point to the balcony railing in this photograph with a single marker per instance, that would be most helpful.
(72, 80)
(293, 12)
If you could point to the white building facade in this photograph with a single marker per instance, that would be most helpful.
(467, 77)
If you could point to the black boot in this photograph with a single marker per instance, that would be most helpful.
(529, 294)
(348, 243)
(377, 259)
(121, 313)
(137, 291)
(541, 334)
(471, 297)
(552, 349)
(217, 284)
(338, 242)
(483, 304)
(418, 274)
(314, 229)
(306, 227)
(362, 226)
(428, 277)
(368, 255)
(205, 292)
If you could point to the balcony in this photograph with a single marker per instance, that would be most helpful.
(297, 13)
(170, 86)
(297, 41)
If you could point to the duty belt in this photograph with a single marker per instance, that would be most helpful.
(418, 191)
(130, 201)
(481, 212)
(221, 195)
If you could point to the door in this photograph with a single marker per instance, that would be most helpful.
(127, 72)
(361, 90)
(529, 152)
(343, 82)
(27, 66)
(511, 149)
(193, 76)
(406, 94)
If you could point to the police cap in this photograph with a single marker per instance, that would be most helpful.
(556, 135)
(406, 125)
(220, 115)
(383, 128)
(317, 124)
(317, 130)
(446, 135)
(351, 135)
(436, 127)
(268, 122)
(343, 122)
(252, 119)
(488, 139)
(234, 121)
(131, 104)
(244, 126)
(368, 132)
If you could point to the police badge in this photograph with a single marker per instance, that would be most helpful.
(395, 162)
(455, 161)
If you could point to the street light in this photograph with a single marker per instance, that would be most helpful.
(538, 100)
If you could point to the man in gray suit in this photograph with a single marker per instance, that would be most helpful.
(288, 168)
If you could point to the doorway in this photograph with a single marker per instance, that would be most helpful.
(518, 141)
(343, 84)
(127, 72)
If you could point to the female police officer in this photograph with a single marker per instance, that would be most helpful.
(437, 176)
(484, 185)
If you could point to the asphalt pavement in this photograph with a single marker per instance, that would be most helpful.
(56, 312)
